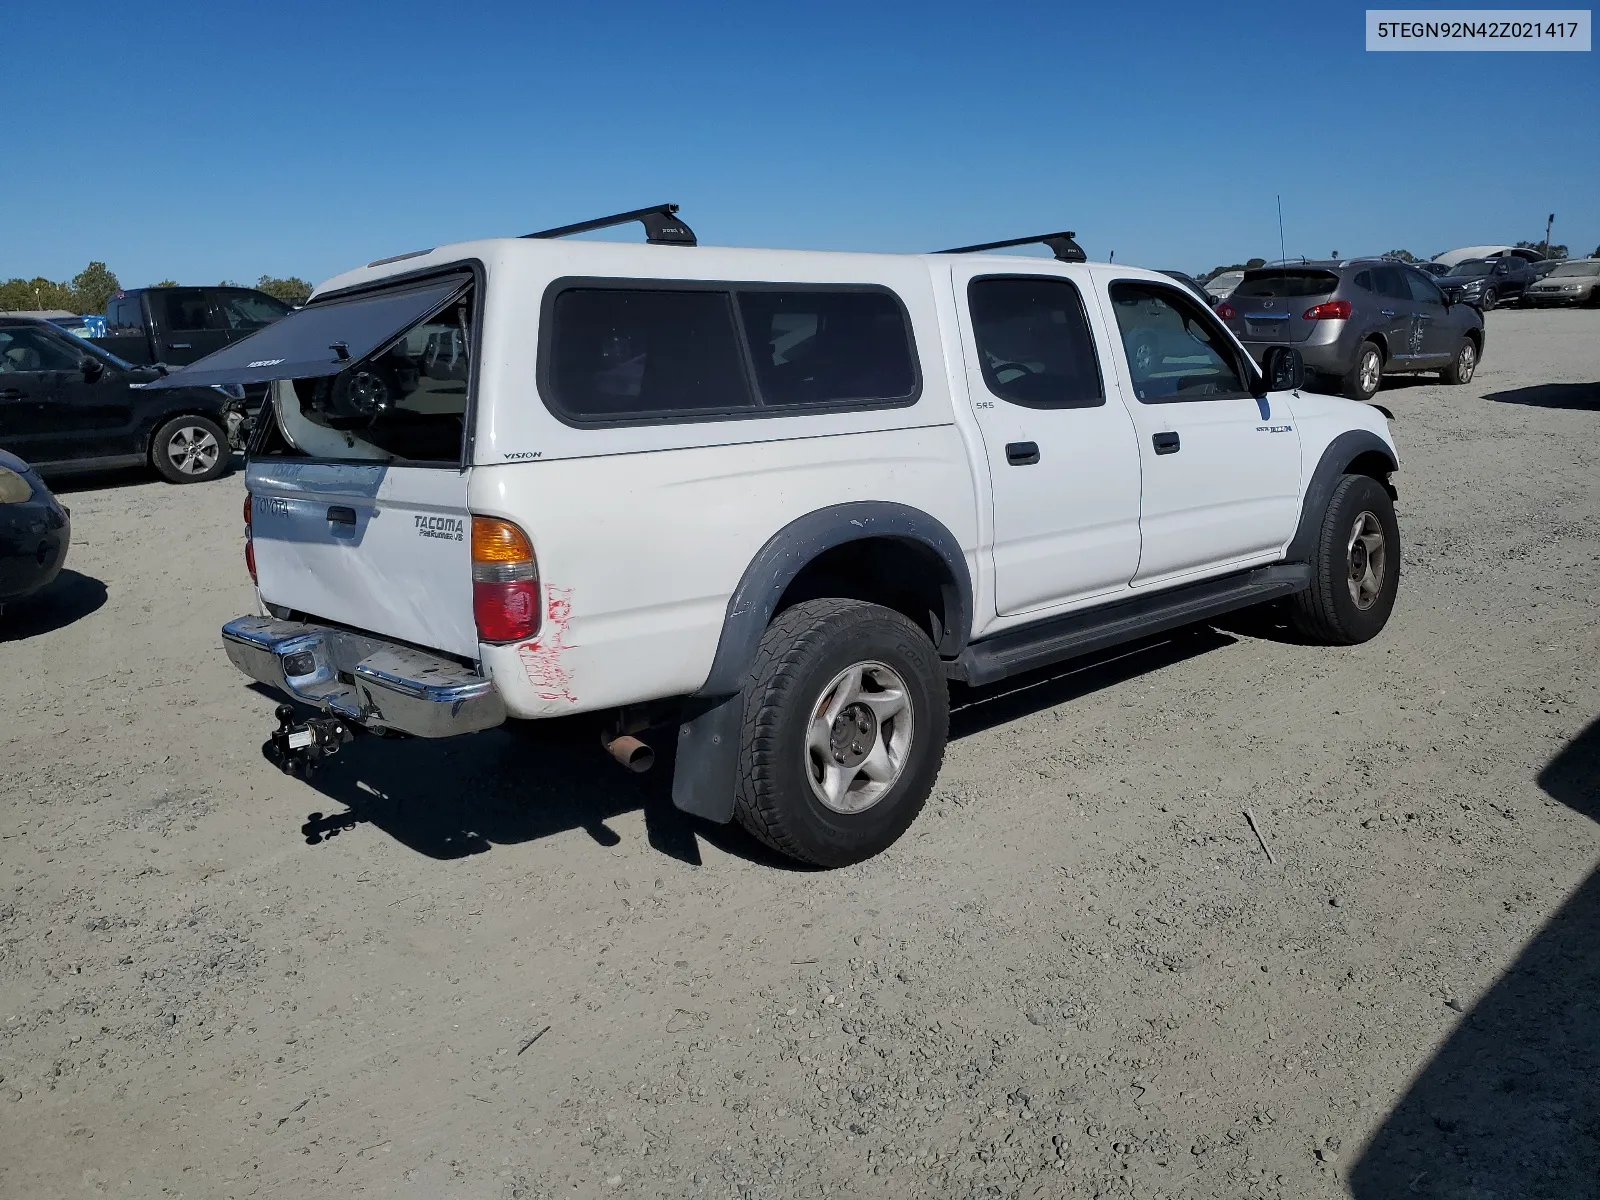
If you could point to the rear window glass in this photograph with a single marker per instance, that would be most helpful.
(617, 353)
(1287, 283)
(662, 353)
(817, 347)
(406, 403)
(249, 310)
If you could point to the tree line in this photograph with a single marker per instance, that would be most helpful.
(88, 290)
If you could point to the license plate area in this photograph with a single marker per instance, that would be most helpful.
(1265, 325)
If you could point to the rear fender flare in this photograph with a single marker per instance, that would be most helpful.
(1341, 452)
(708, 735)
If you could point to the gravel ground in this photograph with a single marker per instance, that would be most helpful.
(502, 967)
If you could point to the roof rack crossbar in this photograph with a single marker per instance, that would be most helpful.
(1061, 245)
(661, 227)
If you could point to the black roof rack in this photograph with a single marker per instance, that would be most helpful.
(1061, 245)
(661, 228)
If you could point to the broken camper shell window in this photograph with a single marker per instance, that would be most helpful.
(405, 402)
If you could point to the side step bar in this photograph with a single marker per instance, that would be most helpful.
(1076, 634)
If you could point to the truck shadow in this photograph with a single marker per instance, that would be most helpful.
(1584, 396)
(1510, 1105)
(519, 783)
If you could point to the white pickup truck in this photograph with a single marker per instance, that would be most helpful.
(774, 499)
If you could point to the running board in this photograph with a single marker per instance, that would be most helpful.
(1080, 633)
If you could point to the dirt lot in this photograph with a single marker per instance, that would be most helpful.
(1078, 975)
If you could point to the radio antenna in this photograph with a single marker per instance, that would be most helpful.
(1282, 253)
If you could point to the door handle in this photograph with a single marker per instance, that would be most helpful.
(179, 346)
(1022, 454)
(1386, 312)
(341, 514)
(11, 394)
(1166, 443)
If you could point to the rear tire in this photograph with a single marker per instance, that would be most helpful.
(846, 713)
(190, 449)
(1361, 381)
(1355, 567)
(1464, 364)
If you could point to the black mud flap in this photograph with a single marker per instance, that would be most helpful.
(708, 757)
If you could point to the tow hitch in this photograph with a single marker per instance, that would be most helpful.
(300, 749)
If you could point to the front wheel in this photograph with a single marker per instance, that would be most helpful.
(1490, 299)
(845, 717)
(1355, 566)
(1463, 364)
(189, 449)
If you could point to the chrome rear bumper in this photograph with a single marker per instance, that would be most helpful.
(364, 679)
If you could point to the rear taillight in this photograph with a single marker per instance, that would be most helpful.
(1332, 310)
(505, 582)
(249, 541)
(1225, 311)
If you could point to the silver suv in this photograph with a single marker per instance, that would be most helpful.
(1357, 320)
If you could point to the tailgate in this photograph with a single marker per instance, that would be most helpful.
(377, 547)
(1268, 303)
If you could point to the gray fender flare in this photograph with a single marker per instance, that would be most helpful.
(708, 735)
(1341, 452)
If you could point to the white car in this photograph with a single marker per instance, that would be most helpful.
(1220, 287)
(773, 500)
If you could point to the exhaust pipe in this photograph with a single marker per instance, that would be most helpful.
(630, 752)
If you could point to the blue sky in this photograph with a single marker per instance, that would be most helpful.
(210, 141)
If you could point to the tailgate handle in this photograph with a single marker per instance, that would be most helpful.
(341, 514)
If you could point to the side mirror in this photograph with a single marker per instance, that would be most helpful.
(1284, 369)
(93, 368)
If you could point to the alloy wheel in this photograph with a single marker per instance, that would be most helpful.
(859, 739)
(1368, 555)
(1371, 371)
(193, 450)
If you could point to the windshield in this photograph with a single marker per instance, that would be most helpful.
(1471, 270)
(1576, 268)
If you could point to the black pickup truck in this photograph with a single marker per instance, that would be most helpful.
(175, 326)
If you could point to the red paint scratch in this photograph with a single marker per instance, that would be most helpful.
(541, 657)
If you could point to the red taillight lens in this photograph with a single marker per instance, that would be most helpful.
(505, 582)
(1225, 311)
(249, 541)
(1333, 310)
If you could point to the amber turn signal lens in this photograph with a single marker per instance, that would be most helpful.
(497, 541)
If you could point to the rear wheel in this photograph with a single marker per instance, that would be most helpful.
(1362, 380)
(845, 720)
(1355, 566)
(189, 449)
(1463, 365)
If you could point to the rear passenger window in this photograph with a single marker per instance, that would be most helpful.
(827, 347)
(647, 353)
(656, 352)
(1034, 343)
